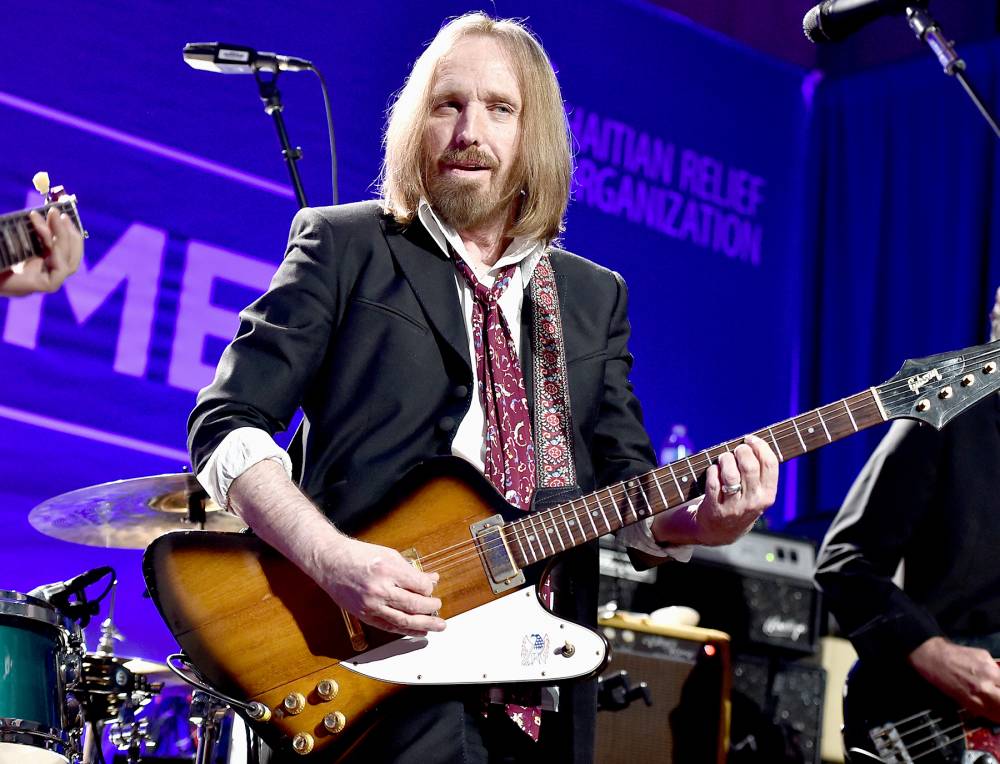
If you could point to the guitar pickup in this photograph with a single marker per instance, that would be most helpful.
(501, 571)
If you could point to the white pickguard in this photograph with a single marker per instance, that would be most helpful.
(512, 639)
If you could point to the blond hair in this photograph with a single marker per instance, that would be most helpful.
(543, 166)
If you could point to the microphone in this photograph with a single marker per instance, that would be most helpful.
(833, 20)
(59, 594)
(239, 59)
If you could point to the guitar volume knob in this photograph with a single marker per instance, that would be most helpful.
(303, 743)
(327, 689)
(293, 703)
(335, 722)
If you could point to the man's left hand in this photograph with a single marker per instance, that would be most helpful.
(738, 488)
(63, 250)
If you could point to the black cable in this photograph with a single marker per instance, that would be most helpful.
(329, 127)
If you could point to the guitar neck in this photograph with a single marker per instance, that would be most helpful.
(541, 535)
(18, 239)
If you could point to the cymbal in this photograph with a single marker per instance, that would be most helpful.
(154, 671)
(129, 514)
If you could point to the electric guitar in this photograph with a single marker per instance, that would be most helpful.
(18, 239)
(894, 715)
(310, 676)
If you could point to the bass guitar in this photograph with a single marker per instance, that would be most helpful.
(310, 676)
(893, 715)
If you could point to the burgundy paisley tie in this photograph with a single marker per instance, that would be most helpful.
(510, 452)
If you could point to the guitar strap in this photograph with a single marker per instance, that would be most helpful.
(555, 465)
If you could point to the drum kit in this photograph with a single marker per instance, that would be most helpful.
(60, 703)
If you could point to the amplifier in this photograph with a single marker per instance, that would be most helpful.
(759, 590)
(777, 711)
(686, 670)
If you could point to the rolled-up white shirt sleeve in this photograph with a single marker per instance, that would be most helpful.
(640, 536)
(239, 451)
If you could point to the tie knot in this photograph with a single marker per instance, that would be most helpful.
(480, 291)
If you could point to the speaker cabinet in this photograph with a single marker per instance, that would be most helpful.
(777, 711)
(761, 611)
(687, 671)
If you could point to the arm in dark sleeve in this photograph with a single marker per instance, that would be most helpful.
(281, 340)
(869, 537)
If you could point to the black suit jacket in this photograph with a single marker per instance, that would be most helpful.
(362, 327)
(932, 500)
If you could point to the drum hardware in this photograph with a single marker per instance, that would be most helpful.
(108, 687)
(112, 693)
(210, 707)
(208, 713)
(254, 710)
(129, 514)
(129, 734)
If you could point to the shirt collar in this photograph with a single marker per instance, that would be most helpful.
(523, 251)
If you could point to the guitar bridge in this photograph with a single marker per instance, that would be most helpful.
(503, 574)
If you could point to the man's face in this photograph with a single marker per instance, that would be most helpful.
(471, 136)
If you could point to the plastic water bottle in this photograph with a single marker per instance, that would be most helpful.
(677, 445)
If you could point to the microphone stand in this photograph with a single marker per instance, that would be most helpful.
(926, 29)
(269, 94)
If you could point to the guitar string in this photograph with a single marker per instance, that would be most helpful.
(23, 215)
(948, 741)
(618, 492)
(932, 721)
(936, 748)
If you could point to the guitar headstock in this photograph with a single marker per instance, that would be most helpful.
(938, 388)
(51, 194)
(57, 195)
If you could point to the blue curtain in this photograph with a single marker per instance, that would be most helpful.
(902, 238)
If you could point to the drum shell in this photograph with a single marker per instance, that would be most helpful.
(39, 653)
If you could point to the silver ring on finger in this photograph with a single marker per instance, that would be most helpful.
(731, 489)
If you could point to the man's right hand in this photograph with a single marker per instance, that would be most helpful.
(372, 582)
(380, 587)
(968, 675)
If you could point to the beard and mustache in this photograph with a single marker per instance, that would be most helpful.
(465, 203)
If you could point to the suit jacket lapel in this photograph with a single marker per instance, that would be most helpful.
(526, 351)
(432, 277)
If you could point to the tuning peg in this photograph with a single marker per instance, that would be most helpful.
(40, 181)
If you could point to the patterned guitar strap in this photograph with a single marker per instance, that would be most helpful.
(552, 430)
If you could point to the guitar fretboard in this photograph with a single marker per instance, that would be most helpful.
(541, 535)
(18, 239)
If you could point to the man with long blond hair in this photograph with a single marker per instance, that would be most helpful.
(410, 327)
